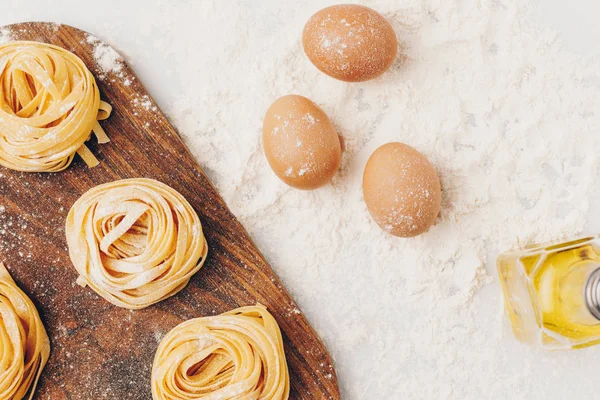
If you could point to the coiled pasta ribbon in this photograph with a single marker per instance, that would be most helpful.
(236, 355)
(135, 241)
(49, 106)
(24, 344)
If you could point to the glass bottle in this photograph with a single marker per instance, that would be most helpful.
(552, 293)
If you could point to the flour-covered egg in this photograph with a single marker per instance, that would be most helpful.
(300, 142)
(349, 42)
(401, 189)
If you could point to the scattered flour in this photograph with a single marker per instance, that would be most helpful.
(106, 57)
(508, 117)
(4, 36)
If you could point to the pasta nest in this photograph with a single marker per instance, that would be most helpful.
(135, 241)
(24, 344)
(236, 355)
(49, 106)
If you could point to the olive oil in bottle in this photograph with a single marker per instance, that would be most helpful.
(552, 293)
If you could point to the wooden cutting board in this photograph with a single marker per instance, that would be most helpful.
(102, 351)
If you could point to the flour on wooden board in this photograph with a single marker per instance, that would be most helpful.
(105, 56)
(4, 35)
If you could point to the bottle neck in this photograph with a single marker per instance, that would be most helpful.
(591, 293)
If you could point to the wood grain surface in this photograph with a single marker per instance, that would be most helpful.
(102, 351)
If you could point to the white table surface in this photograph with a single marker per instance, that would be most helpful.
(575, 20)
(577, 24)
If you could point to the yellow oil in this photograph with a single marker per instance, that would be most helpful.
(544, 293)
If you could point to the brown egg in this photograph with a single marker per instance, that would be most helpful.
(301, 144)
(349, 42)
(401, 189)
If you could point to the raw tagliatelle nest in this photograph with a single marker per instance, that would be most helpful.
(235, 355)
(135, 241)
(24, 344)
(49, 106)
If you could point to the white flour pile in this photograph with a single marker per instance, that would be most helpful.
(509, 118)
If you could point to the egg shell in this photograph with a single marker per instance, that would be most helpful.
(300, 142)
(401, 189)
(349, 42)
